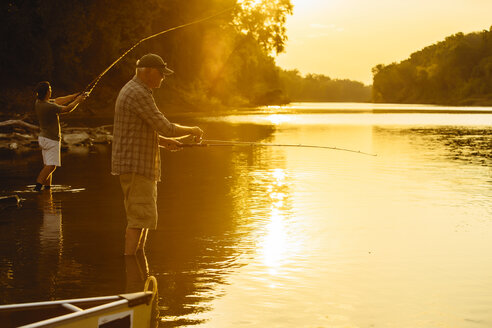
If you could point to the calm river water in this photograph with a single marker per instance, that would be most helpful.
(276, 236)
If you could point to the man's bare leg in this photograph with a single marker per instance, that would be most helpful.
(143, 239)
(132, 237)
(142, 264)
(44, 177)
(48, 180)
(45, 174)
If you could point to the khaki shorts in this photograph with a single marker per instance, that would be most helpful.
(140, 198)
(51, 151)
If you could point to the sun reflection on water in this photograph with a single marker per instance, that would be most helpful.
(277, 244)
(274, 244)
(277, 119)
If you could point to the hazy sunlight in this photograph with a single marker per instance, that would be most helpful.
(345, 39)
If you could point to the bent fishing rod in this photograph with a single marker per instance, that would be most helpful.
(88, 89)
(219, 143)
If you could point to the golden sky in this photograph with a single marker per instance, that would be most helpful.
(346, 38)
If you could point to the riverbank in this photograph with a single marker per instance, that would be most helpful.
(19, 137)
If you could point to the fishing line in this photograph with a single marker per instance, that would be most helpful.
(94, 82)
(218, 143)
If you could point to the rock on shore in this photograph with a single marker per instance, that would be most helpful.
(17, 137)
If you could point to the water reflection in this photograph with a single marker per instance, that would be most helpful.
(275, 246)
(202, 239)
(279, 119)
(32, 247)
(327, 232)
(50, 239)
(255, 237)
(137, 271)
(51, 232)
(469, 145)
(408, 120)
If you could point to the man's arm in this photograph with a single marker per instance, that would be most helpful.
(195, 131)
(171, 144)
(185, 139)
(66, 99)
(176, 143)
(70, 107)
(148, 111)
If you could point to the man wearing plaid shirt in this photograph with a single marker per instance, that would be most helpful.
(139, 129)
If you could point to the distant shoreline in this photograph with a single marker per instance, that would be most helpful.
(171, 111)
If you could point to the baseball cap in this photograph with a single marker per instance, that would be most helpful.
(155, 61)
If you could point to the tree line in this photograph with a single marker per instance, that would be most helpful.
(456, 71)
(318, 87)
(222, 62)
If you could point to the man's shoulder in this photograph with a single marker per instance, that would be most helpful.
(45, 106)
(133, 88)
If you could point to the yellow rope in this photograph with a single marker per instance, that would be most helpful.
(151, 279)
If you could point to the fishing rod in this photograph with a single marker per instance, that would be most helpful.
(218, 143)
(88, 89)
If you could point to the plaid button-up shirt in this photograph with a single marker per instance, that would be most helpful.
(137, 126)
